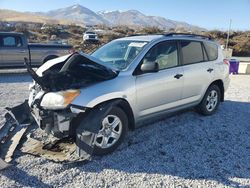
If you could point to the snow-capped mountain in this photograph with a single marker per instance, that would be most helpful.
(78, 14)
(136, 18)
(84, 16)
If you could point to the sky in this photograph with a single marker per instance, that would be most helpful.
(209, 14)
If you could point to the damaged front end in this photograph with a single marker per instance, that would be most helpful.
(56, 84)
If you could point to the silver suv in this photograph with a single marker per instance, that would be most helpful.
(97, 98)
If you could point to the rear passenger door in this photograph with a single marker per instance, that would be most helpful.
(198, 71)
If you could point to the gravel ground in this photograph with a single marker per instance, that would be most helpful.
(185, 150)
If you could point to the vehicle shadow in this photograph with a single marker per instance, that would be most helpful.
(22, 178)
(187, 145)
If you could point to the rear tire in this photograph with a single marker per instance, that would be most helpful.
(210, 101)
(115, 124)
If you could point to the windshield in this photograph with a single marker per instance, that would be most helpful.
(120, 53)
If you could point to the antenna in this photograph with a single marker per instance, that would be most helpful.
(228, 33)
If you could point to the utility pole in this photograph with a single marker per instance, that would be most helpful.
(228, 33)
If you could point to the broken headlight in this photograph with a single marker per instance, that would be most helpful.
(58, 100)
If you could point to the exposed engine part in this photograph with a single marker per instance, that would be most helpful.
(56, 123)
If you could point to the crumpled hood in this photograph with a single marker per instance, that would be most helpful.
(71, 71)
(47, 65)
(51, 63)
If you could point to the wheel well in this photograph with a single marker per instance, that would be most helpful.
(124, 105)
(220, 84)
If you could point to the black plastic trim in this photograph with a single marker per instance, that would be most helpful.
(188, 35)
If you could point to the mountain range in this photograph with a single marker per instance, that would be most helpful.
(84, 16)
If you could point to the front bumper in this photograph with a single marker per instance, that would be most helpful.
(17, 121)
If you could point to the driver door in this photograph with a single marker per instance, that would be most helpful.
(162, 90)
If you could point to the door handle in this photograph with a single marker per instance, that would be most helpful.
(210, 70)
(177, 76)
(22, 51)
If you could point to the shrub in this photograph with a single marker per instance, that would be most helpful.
(51, 30)
(23, 28)
(76, 29)
(151, 30)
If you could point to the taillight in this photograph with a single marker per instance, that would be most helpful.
(71, 51)
(225, 61)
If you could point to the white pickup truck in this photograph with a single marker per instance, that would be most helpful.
(14, 47)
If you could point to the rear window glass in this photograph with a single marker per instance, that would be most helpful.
(192, 52)
(212, 50)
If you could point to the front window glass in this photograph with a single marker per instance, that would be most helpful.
(119, 54)
(164, 53)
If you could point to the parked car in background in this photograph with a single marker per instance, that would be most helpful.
(97, 98)
(90, 36)
(14, 47)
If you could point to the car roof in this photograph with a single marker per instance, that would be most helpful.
(149, 38)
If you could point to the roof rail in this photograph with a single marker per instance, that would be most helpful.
(189, 35)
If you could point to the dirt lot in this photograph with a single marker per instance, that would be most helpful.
(185, 150)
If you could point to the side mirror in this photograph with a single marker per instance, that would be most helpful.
(149, 66)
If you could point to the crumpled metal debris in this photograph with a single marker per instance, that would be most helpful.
(11, 132)
(63, 150)
(3, 164)
(17, 121)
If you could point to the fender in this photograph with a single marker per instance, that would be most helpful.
(94, 101)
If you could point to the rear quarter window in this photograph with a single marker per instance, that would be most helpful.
(191, 52)
(212, 50)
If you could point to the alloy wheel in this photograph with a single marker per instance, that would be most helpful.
(110, 132)
(212, 100)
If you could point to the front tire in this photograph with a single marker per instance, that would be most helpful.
(112, 132)
(210, 101)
